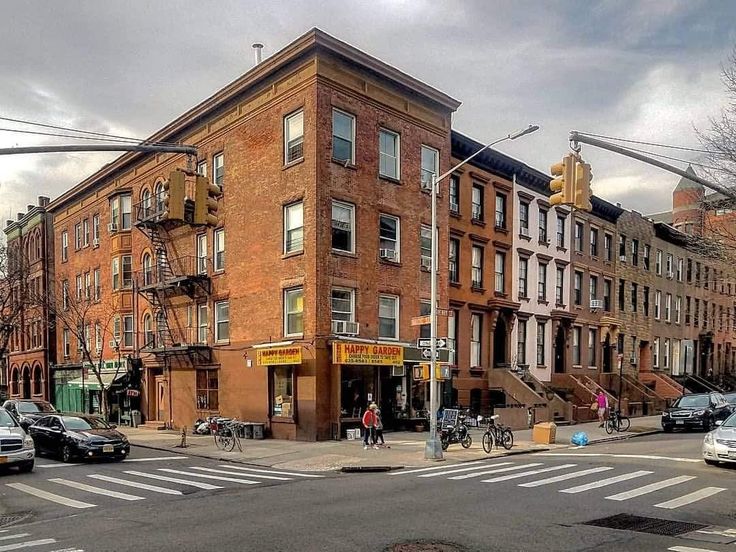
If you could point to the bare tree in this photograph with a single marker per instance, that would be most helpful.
(14, 298)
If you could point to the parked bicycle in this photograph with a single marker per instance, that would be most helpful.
(226, 432)
(496, 434)
(618, 422)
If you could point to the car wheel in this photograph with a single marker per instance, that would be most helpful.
(711, 462)
(709, 424)
(66, 454)
(667, 428)
(26, 467)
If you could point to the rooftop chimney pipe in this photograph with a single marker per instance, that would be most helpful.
(257, 51)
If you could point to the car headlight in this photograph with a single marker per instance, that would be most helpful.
(28, 442)
(708, 439)
(698, 412)
(665, 414)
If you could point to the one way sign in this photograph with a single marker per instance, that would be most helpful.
(425, 343)
(427, 354)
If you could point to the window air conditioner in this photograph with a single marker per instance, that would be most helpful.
(426, 263)
(524, 231)
(622, 258)
(454, 207)
(96, 242)
(112, 228)
(596, 303)
(345, 327)
(388, 254)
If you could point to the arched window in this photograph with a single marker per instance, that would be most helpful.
(160, 194)
(149, 338)
(147, 269)
(26, 383)
(38, 245)
(146, 203)
(37, 380)
(14, 379)
(161, 326)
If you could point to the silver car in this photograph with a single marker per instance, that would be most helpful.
(16, 447)
(719, 445)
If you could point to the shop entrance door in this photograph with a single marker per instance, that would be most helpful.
(390, 393)
(161, 391)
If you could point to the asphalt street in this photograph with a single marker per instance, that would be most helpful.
(529, 502)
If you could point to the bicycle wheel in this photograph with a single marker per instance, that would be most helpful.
(230, 444)
(223, 440)
(624, 423)
(507, 439)
(445, 443)
(467, 441)
(488, 442)
(610, 425)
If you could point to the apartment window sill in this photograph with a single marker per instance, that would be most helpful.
(544, 243)
(341, 253)
(389, 263)
(291, 254)
(542, 302)
(562, 249)
(499, 294)
(390, 179)
(501, 229)
(346, 164)
(292, 163)
(524, 237)
(476, 289)
(456, 285)
(455, 214)
(478, 222)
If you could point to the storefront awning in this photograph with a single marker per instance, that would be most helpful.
(91, 381)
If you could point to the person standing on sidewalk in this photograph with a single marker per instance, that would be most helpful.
(369, 424)
(602, 400)
(379, 428)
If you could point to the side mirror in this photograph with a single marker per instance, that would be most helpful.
(719, 422)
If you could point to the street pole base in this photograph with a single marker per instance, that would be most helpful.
(433, 449)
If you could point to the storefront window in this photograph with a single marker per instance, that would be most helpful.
(282, 385)
(207, 390)
(358, 389)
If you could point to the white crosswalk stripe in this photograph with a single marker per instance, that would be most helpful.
(565, 477)
(16, 536)
(135, 484)
(652, 487)
(689, 498)
(690, 549)
(499, 470)
(40, 493)
(459, 470)
(205, 476)
(187, 482)
(433, 468)
(527, 473)
(258, 470)
(26, 544)
(249, 474)
(95, 490)
(606, 482)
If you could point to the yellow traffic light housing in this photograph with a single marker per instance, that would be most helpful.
(205, 202)
(421, 372)
(583, 176)
(563, 184)
(174, 190)
(442, 372)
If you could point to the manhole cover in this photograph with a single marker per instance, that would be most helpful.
(12, 519)
(425, 546)
(640, 524)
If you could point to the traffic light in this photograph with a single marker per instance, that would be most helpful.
(583, 176)
(174, 196)
(421, 372)
(442, 372)
(563, 184)
(205, 201)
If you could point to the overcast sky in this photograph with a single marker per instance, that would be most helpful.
(642, 70)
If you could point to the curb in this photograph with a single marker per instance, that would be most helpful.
(368, 469)
(621, 437)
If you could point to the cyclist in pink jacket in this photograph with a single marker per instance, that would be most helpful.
(602, 399)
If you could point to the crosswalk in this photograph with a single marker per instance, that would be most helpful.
(131, 485)
(573, 479)
(19, 539)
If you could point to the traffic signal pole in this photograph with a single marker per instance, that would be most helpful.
(142, 148)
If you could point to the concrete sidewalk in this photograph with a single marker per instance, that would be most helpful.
(402, 448)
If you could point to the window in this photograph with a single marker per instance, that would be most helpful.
(67, 343)
(541, 360)
(203, 323)
(128, 330)
(343, 223)
(559, 286)
(97, 280)
(79, 287)
(678, 308)
(500, 211)
(634, 297)
(657, 304)
(621, 295)
(667, 307)
(343, 137)
(655, 352)
(542, 282)
(425, 245)
(680, 266)
(523, 277)
(477, 202)
(666, 355)
(579, 237)
(425, 309)
(687, 310)
(293, 311)
(593, 242)
(389, 150)
(521, 342)
(670, 270)
(607, 295)
(148, 335)
(578, 287)
(160, 194)
(647, 254)
(201, 257)
(207, 389)
(116, 273)
(87, 286)
(658, 262)
(561, 232)
(696, 313)
(475, 336)
(145, 209)
(117, 331)
(294, 227)
(127, 262)
(634, 252)
(622, 247)
(454, 194)
(608, 246)
(293, 137)
(689, 271)
(697, 273)
(543, 226)
(593, 287)
(388, 317)
(524, 217)
(125, 209)
(202, 168)
(85, 232)
(646, 301)
(282, 391)
(96, 227)
(500, 272)
(389, 229)
(452, 337)
(218, 169)
(64, 246)
(706, 277)
(78, 236)
(430, 166)
(576, 335)
(454, 262)
(98, 337)
(592, 346)
(476, 264)
(343, 304)
(219, 257)
(222, 321)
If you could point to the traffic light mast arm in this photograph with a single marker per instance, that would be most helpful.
(189, 150)
(576, 138)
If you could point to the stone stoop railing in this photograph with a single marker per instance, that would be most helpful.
(658, 384)
(637, 400)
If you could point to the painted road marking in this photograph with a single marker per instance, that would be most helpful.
(524, 474)
(433, 468)
(690, 549)
(605, 482)
(95, 490)
(197, 484)
(228, 472)
(488, 472)
(205, 476)
(16, 536)
(49, 496)
(611, 455)
(136, 484)
(458, 470)
(689, 498)
(564, 477)
(156, 459)
(58, 465)
(295, 474)
(652, 487)
(27, 544)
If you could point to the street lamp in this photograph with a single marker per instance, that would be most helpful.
(433, 448)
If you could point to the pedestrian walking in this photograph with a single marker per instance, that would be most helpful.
(602, 400)
(379, 428)
(369, 424)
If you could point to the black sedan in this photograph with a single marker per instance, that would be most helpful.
(28, 411)
(72, 437)
(696, 410)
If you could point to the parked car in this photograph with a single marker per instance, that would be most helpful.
(16, 446)
(696, 410)
(72, 437)
(28, 411)
(730, 398)
(719, 445)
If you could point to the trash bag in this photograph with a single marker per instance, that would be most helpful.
(580, 439)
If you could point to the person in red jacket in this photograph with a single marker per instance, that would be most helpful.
(369, 424)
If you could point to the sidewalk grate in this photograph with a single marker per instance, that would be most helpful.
(640, 524)
(11, 519)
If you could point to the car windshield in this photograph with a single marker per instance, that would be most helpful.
(74, 423)
(731, 397)
(730, 421)
(698, 401)
(34, 407)
(6, 420)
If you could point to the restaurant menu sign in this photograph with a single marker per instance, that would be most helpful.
(277, 356)
(367, 353)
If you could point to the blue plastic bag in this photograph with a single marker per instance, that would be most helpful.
(580, 439)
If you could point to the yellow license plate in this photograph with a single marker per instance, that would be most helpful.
(108, 448)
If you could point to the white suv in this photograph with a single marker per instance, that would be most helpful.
(16, 447)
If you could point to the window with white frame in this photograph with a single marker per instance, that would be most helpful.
(203, 323)
(576, 331)
(293, 137)
(116, 273)
(524, 217)
(542, 223)
(219, 257)
(97, 280)
(542, 282)
(148, 335)
(389, 241)
(680, 265)
(561, 232)
(658, 263)
(593, 287)
(128, 330)
(667, 307)
(343, 304)
(500, 218)
(125, 211)
(541, 345)
(577, 287)
(476, 202)
(476, 264)
(218, 169)
(670, 271)
(85, 232)
(454, 261)
(78, 235)
(666, 355)
(657, 304)
(389, 151)
(222, 321)
(593, 242)
(79, 287)
(523, 277)
(388, 317)
(202, 168)
(454, 194)
(343, 225)
(201, 255)
(592, 346)
(87, 286)
(293, 311)
(521, 342)
(678, 309)
(98, 337)
(343, 136)
(64, 246)
(559, 285)
(425, 245)
(430, 159)
(127, 264)
(579, 237)
(294, 227)
(96, 227)
(476, 322)
(67, 343)
(500, 271)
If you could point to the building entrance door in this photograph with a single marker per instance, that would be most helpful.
(607, 354)
(161, 398)
(560, 350)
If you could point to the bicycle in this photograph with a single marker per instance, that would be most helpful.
(226, 433)
(495, 434)
(618, 422)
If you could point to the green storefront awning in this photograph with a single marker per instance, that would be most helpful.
(91, 382)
